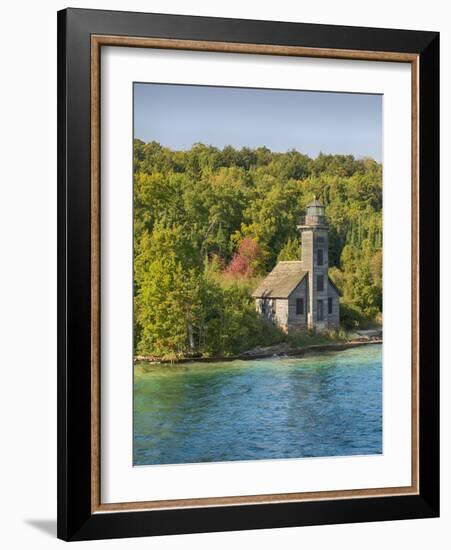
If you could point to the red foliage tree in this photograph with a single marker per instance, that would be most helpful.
(244, 261)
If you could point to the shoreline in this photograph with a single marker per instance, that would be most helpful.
(249, 355)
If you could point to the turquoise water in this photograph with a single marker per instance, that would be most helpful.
(328, 404)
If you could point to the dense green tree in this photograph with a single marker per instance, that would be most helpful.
(291, 250)
(168, 298)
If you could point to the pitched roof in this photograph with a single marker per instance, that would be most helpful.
(281, 281)
(334, 286)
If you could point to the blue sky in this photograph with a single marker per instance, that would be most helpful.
(178, 116)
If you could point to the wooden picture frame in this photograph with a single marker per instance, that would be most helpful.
(81, 35)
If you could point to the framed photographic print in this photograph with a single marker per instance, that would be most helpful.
(248, 274)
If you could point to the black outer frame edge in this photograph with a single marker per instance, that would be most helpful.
(75, 521)
(61, 278)
(257, 516)
(429, 279)
(251, 31)
(74, 301)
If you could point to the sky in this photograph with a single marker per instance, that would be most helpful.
(177, 116)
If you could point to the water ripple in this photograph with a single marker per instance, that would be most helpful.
(320, 405)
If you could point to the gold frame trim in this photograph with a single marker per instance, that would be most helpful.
(97, 41)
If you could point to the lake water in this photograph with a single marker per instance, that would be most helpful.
(328, 404)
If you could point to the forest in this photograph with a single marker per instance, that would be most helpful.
(209, 223)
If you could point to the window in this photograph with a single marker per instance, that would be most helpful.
(329, 306)
(320, 312)
(299, 306)
(319, 257)
(320, 283)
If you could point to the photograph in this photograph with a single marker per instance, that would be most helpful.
(257, 274)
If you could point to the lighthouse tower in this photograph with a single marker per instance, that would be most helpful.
(315, 260)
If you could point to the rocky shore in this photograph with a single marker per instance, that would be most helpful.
(360, 338)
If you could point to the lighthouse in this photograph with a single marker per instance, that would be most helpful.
(299, 294)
